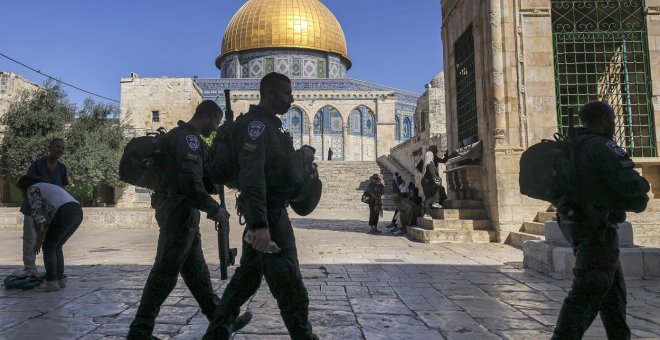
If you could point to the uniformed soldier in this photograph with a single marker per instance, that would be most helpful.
(177, 203)
(265, 185)
(609, 186)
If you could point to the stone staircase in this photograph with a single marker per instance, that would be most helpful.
(344, 183)
(530, 230)
(460, 221)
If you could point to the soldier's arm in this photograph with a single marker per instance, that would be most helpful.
(251, 177)
(618, 173)
(190, 163)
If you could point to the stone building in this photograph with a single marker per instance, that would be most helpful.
(11, 86)
(302, 39)
(430, 130)
(513, 68)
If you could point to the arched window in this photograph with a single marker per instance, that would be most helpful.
(327, 121)
(397, 131)
(295, 121)
(362, 122)
(407, 128)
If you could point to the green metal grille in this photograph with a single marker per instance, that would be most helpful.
(601, 53)
(466, 90)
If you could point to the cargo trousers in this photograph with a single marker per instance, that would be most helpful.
(598, 284)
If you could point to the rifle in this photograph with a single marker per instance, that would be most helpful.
(227, 255)
(569, 168)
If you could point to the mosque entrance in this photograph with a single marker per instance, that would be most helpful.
(361, 135)
(601, 53)
(328, 133)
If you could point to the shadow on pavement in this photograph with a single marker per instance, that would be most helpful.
(347, 301)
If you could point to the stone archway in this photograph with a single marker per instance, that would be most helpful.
(361, 145)
(296, 122)
(328, 133)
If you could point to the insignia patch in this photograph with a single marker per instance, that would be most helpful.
(255, 129)
(617, 149)
(193, 142)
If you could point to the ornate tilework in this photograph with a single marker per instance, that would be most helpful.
(321, 71)
(334, 70)
(295, 67)
(245, 71)
(256, 68)
(269, 65)
(282, 65)
(309, 69)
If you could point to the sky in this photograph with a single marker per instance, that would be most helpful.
(92, 44)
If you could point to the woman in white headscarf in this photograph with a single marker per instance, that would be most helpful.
(434, 192)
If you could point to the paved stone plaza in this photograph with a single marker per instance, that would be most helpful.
(361, 287)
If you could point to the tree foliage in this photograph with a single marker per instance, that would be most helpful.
(32, 120)
(95, 143)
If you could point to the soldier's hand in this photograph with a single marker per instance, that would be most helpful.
(221, 216)
(261, 240)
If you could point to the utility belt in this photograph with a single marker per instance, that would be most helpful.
(271, 203)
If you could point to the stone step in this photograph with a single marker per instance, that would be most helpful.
(535, 228)
(418, 234)
(463, 204)
(455, 214)
(545, 216)
(433, 224)
(517, 238)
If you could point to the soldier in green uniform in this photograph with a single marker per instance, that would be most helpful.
(177, 203)
(609, 186)
(266, 188)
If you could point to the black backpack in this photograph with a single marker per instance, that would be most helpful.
(13, 282)
(541, 175)
(223, 156)
(548, 170)
(143, 160)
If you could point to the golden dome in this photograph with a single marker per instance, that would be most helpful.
(305, 24)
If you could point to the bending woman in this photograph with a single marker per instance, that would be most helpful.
(56, 216)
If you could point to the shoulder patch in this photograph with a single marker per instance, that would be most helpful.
(255, 129)
(616, 148)
(193, 142)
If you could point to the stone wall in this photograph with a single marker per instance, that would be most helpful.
(515, 95)
(516, 101)
(173, 98)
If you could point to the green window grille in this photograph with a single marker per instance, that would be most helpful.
(466, 90)
(601, 53)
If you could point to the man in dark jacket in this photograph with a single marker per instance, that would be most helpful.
(177, 203)
(50, 168)
(609, 186)
(266, 186)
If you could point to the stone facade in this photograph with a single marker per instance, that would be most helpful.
(150, 103)
(430, 129)
(11, 86)
(516, 100)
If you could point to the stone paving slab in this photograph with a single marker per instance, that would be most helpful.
(361, 286)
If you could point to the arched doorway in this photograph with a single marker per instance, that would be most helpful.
(362, 132)
(297, 123)
(328, 133)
